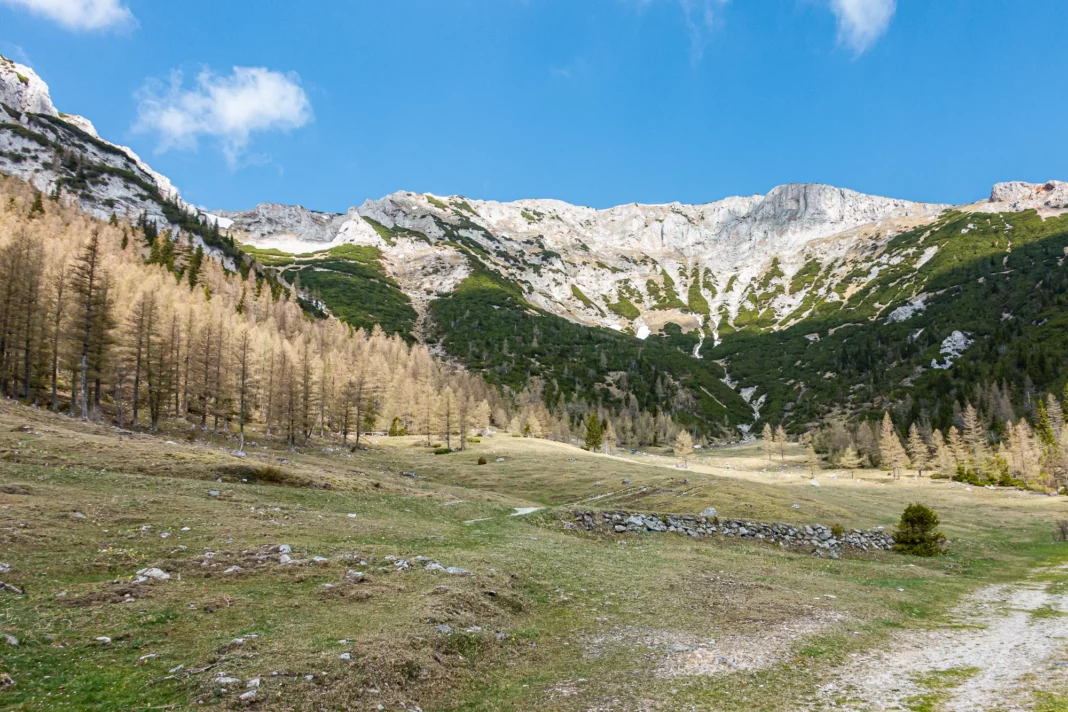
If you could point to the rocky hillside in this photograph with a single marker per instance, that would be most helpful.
(62, 155)
(783, 306)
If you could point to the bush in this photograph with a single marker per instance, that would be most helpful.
(837, 531)
(482, 461)
(917, 532)
(442, 451)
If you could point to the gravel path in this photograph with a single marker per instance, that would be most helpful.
(1002, 640)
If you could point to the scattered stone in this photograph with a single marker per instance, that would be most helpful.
(233, 570)
(814, 483)
(249, 696)
(320, 559)
(710, 512)
(285, 549)
(79, 515)
(433, 566)
(456, 570)
(104, 640)
(345, 656)
(153, 574)
(285, 559)
(185, 529)
(224, 680)
(352, 516)
(11, 640)
(797, 506)
(213, 493)
(444, 628)
(253, 683)
(309, 678)
(4, 568)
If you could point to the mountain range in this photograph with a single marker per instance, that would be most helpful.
(794, 306)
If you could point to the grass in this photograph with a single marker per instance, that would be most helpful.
(548, 618)
(936, 685)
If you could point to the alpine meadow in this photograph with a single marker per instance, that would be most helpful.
(802, 449)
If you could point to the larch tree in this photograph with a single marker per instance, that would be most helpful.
(918, 452)
(683, 446)
(850, 460)
(781, 440)
(766, 439)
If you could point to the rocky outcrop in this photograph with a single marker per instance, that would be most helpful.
(53, 150)
(1017, 195)
(273, 220)
(821, 540)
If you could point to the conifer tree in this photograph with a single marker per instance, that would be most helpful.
(781, 440)
(850, 460)
(683, 446)
(918, 452)
(766, 439)
(593, 433)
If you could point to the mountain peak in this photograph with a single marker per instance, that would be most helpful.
(23, 90)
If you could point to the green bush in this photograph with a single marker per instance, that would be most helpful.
(837, 531)
(917, 532)
(442, 451)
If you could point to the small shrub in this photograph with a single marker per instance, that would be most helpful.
(1062, 530)
(442, 451)
(482, 461)
(474, 440)
(917, 532)
(837, 531)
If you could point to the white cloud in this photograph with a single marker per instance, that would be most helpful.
(862, 22)
(701, 16)
(228, 109)
(80, 14)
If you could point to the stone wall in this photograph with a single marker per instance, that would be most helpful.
(817, 538)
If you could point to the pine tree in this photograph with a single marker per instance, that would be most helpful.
(37, 208)
(593, 433)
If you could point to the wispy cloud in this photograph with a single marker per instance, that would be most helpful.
(702, 19)
(862, 22)
(228, 109)
(80, 14)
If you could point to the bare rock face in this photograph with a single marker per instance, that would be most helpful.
(1018, 195)
(34, 125)
(272, 219)
(23, 90)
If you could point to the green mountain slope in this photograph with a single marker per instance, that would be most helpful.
(1000, 280)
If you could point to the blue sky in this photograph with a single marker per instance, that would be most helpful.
(597, 102)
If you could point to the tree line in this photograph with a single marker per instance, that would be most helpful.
(131, 323)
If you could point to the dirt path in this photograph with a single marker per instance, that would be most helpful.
(1002, 643)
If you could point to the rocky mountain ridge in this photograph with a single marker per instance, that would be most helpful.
(633, 267)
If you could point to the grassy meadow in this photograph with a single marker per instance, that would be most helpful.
(543, 617)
